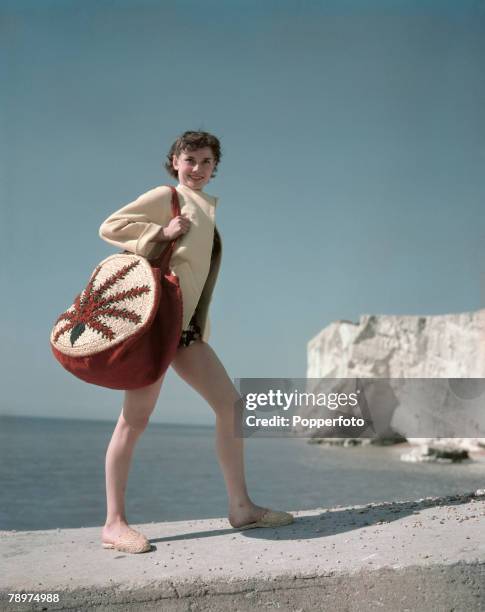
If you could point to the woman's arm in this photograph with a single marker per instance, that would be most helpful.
(138, 226)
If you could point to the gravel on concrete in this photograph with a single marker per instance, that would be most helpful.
(426, 554)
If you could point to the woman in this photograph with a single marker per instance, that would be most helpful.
(143, 227)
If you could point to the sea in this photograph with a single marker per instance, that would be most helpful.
(52, 474)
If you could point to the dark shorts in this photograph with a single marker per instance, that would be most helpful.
(191, 334)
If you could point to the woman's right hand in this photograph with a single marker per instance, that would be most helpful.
(177, 226)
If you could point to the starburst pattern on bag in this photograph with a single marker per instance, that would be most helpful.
(92, 304)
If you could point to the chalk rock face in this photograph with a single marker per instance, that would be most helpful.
(396, 349)
(442, 450)
(438, 454)
(393, 346)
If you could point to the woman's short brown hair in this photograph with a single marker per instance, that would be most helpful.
(190, 141)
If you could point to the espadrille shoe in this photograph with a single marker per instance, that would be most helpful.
(130, 541)
(271, 518)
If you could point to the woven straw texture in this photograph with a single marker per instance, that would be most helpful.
(116, 302)
(131, 541)
(271, 518)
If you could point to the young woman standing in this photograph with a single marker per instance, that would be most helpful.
(142, 227)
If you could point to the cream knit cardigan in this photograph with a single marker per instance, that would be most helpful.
(134, 226)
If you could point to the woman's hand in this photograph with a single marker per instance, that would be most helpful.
(177, 226)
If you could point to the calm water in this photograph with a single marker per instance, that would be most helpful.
(52, 474)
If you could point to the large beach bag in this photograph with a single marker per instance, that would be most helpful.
(123, 329)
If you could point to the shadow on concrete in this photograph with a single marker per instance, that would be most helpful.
(333, 522)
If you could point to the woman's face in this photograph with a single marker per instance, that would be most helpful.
(194, 167)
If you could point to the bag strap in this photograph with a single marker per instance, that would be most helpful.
(163, 259)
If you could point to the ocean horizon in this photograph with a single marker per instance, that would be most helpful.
(52, 474)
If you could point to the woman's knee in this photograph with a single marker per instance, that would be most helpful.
(139, 404)
(228, 408)
(135, 423)
(137, 414)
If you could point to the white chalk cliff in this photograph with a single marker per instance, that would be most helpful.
(399, 348)
(394, 346)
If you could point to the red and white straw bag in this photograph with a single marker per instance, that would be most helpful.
(123, 329)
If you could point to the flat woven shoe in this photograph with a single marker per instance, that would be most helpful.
(271, 518)
(131, 541)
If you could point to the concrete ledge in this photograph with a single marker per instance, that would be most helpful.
(417, 555)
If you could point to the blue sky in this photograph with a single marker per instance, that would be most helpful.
(351, 182)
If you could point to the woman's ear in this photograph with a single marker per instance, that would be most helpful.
(175, 162)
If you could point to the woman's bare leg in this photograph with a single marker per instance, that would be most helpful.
(138, 405)
(199, 366)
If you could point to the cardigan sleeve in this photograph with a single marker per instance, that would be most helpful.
(135, 226)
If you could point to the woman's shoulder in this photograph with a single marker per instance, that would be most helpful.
(159, 192)
(157, 198)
